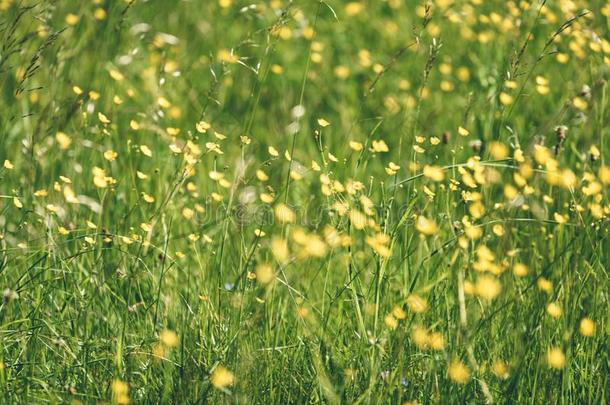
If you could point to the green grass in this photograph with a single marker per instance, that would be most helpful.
(179, 232)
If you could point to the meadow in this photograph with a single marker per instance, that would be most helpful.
(304, 201)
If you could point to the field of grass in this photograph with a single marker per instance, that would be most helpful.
(307, 201)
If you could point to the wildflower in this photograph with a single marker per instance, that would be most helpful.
(419, 336)
(353, 8)
(380, 146)
(63, 140)
(398, 312)
(545, 285)
(357, 218)
(555, 358)
(202, 127)
(392, 169)
(72, 19)
(222, 378)
(487, 287)
(120, 392)
(520, 270)
(342, 72)
(100, 14)
(458, 372)
(500, 369)
(498, 150)
(434, 173)
(473, 232)
(103, 119)
(579, 103)
(417, 304)
(390, 321)
(145, 150)
(506, 99)
(554, 310)
(168, 338)
(110, 155)
(273, 152)
(323, 123)
(436, 341)
(463, 131)
(426, 226)
(560, 219)
(604, 174)
(356, 146)
(284, 214)
(498, 230)
(264, 274)
(587, 327)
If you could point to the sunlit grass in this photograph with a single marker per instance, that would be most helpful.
(307, 201)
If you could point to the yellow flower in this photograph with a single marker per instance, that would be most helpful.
(264, 274)
(202, 127)
(222, 378)
(580, 103)
(488, 287)
(120, 392)
(357, 218)
(100, 14)
(554, 310)
(390, 321)
(145, 150)
(110, 155)
(555, 358)
(284, 214)
(63, 140)
(72, 19)
(420, 337)
(426, 226)
(342, 72)
(168, 338)
(434, 173)
(273, 152)
(506, 98)
(227, 56)
(587, 327)
(380, 146)
(103, 119)
(417, 304)
(436, 341)
(353, 8)
(458, 372)
(500, 369)
(520, 270)
(498, 150)
(560, 219)
(545, 285)
(604, 174)
(355, 146)
(323, 123)
(463, 131)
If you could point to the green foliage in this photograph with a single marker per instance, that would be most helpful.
(304, 201)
